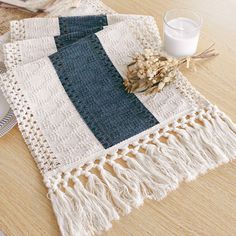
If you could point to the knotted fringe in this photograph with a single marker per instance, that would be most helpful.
(87, 198)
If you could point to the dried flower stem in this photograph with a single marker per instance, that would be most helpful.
(208, 53)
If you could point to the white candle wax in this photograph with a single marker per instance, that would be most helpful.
(4, 107)
(181, 37)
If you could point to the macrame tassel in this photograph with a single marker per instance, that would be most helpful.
(154, 183)
(149, 183)
(212, 143)
(226, 135)
(130, 179)
(67, 215)
(96, 186)
(148, 170)
(176, 159)
(80, 212)
(120, 193)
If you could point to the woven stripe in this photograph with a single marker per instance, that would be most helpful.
(80, 23)
(96, 90)
(67, 39)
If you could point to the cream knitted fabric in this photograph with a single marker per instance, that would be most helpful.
(169, 137)
(39, 27)
(39, 35)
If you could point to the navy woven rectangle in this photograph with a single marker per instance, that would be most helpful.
(96, 89)
(80, 23)
(67, 39)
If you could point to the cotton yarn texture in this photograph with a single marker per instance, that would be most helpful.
(100, 150)
(56, 33)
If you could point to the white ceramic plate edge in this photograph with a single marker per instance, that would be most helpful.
(7, 123)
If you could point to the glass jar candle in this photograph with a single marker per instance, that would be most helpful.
(181, 32)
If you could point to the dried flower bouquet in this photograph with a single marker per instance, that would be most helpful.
(151, 71)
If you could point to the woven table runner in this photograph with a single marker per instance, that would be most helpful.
(101, 150)
(53, 34)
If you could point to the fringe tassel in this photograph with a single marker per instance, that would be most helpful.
(150, 169)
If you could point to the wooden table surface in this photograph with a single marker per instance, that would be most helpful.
(206, 206)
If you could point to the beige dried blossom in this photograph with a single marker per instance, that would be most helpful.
(151, 71)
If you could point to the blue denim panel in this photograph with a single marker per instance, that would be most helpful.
(77, 23)
(67, 39)
(96, 89)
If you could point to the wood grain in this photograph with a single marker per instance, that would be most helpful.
(206, 206)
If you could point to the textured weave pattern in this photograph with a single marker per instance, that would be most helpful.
(19, 52)
(72, 24)
(25, 29)
(67, 39)
(96, 90)
(42, 27)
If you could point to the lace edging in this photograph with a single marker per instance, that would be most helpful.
(12, 55)
(17, 30)
(27, 124)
